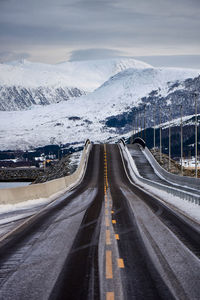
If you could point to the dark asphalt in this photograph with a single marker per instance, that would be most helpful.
(80, 271)
(57, 256)
(185, 229)
(140, 280)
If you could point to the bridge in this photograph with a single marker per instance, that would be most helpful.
(113, 230)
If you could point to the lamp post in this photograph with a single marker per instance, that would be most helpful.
(196, 144)
(170, 118)
(160, 135)
(135, 125)
(145, 122)
(140, 124)
(154, 129)
(181, 111)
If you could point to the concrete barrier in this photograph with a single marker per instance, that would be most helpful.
(49, 188)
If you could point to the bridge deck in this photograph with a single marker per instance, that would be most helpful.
(105, 239)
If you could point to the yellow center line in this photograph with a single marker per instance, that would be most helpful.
(110, 296)
(108, 241)
(117, 236)
(107, 221)
(120, 263)
(109, 273)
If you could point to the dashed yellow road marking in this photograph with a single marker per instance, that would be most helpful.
(117, 236)
(110, 296)
(108, 241)
(109, 273)
(120, 262)
(114, 221)
(107, 221)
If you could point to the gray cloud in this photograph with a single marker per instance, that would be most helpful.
(140, 28)
(93, 54)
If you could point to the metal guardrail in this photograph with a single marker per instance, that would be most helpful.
(176, 179)
(123, 142)
(191, 197)
(87, 142)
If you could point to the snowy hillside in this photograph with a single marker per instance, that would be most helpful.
(128, 87)
(103, 115)
(87, 116)
(86, 75)
(23, 84)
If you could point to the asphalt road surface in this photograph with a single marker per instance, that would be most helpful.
(105, 239)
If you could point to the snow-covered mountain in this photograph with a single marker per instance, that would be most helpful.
(20, 98)
(23, 84)
(104, 114)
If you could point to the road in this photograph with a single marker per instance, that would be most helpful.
(146, 170)
(105, 239)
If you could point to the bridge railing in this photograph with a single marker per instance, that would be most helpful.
(188, 196)
(182, 180)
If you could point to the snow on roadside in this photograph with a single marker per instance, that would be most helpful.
(5, 208)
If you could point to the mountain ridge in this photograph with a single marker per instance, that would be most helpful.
(24, 84)
(105, 114)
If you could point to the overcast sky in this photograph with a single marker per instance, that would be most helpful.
(52, 31)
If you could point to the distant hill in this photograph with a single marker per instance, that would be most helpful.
(104, 114)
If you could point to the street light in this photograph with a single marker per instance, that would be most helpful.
(145, 122)
(140, 115)
(134, 129)
(196, 96)
(137, 126)
(160, 135)
(170, 118)
(154, 129)
(181, 111)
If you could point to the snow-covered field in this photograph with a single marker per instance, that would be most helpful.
(77, 119)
